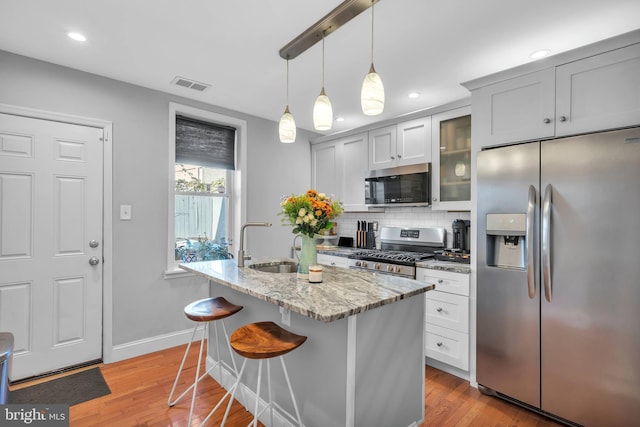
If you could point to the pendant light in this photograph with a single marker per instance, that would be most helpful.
(287, 126)
(372, 94)
(322, 110)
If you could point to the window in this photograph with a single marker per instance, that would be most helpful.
(203, 199)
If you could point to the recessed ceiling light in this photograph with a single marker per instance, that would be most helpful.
(77, 36)
(539, 53)
(414, 95)
(339, 119)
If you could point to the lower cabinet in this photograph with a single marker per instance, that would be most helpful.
(446, 317)
(333, 260)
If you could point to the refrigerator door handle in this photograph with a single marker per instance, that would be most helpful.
(531, 278)
(546, 242)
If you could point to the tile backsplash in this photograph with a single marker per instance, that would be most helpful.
(401, 217)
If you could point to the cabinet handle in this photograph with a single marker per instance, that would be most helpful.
(563, 118)
(439, 344)
(399, 156)
(440, 280)
(547, 120)
(439, 309)
(435, 199)
(393, 158)
(333, 263)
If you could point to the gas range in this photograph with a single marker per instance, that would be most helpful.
(400, 249)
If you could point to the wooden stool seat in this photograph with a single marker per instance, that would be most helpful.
(264, 340)
(210, 309)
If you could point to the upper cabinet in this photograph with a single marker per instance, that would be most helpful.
(451, 160)
(339, 167)
(405, 143)
(596, 93)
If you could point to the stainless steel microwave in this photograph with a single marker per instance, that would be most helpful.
(400, 186)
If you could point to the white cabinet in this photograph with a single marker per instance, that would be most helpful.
(333, 260)
(406, 143)
(325, 166)
(451, 160)
(518, 109)
(600, 92)
(592, 94)
(446, 317)
(339, 167)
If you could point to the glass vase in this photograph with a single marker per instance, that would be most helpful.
(308, 255)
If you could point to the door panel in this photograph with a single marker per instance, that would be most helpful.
(590, 334)
(508, 348)
(16, 191)
(50, 208)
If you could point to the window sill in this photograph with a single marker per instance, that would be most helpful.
(176, 273)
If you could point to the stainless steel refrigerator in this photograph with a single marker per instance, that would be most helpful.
(558, 291)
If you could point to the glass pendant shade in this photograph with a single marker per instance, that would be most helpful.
(372, 94)
(322, 112)
(287, 127)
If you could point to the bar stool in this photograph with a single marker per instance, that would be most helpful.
(202, 312)
(262, 340)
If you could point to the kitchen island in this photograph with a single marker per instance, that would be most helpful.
(363, 362)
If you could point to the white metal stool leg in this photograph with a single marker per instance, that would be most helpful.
(293, 398)
(269, 405)
(198, 377)
(232, 392)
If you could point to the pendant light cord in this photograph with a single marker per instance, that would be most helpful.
(323, 61)
(287, 91)
(372, 3)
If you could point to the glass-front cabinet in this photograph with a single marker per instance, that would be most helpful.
(451, 160)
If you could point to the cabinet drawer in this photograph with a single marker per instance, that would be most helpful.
(448, 310)
(445, 281)
(447, 346)
(336, 261)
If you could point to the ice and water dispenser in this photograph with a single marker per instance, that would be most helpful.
(506, 240)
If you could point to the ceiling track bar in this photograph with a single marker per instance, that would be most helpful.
(339, 16)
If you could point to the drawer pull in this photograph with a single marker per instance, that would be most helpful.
(439, 344)
(439, 309)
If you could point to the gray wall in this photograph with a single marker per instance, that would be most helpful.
(145, 304)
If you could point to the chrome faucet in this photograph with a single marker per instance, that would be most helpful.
(241, 255)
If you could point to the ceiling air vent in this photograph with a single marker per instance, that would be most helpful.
(191, 84)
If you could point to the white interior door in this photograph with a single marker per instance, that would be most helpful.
(50, 230)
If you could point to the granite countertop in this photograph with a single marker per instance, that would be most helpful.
(342, 293)
(454, 267)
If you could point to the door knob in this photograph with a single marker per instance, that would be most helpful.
(94, 244)
(94, 260)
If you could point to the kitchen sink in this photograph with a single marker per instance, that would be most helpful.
(276, 267)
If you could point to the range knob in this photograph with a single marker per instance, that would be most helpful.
(376, 266)
(358, 263)
(390, 268)
(398, 269)
(364, 264)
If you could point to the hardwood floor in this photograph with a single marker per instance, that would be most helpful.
(140, 387)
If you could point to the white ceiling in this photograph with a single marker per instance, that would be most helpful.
(420, 45)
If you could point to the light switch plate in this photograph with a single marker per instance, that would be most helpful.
(125, 212)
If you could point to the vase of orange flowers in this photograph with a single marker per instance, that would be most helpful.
(309, 214)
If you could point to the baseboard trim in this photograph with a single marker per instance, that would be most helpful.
(149, 345)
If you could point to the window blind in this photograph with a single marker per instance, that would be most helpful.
(205, 144)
